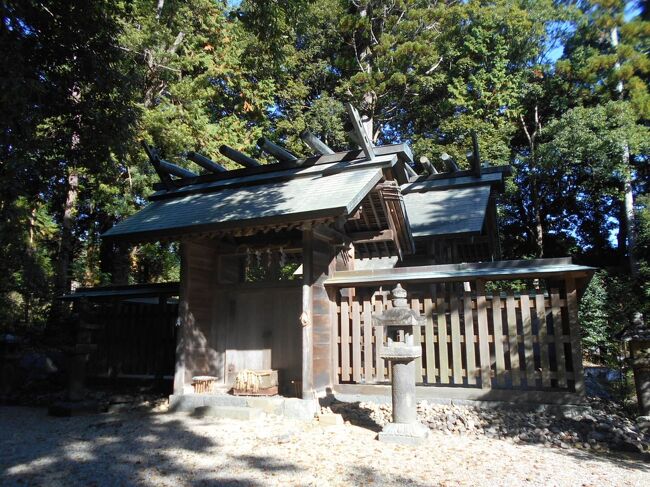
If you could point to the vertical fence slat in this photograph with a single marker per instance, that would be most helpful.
(542, 333)
(576, 347)
(367, 341)
(529, 354)
(468, 318)
(429, 343)
(484, 346)
(379, 340)
(442, 336)
(513, 340)
(417, 341)
(457, 359)
(345, 339)
(557, 336)
(356, 340)
(498, 339)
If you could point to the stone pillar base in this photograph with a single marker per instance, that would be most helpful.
(403, 433)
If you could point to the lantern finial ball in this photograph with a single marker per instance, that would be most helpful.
(399, 297)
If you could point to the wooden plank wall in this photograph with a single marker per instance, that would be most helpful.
(196, 352)
(136, 339)
(524, 341)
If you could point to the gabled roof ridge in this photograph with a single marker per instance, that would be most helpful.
(292, 173)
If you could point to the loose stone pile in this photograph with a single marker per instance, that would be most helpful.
(600, 427)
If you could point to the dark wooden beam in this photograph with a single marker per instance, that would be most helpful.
(362, 136)
(238, 157)
(205, 162)
(426, 163)
(175, 170)
(449, 162)
(165, 178)
(280, 153)
(315, 143)
(476, 160)
(330, 234)
(372, 236)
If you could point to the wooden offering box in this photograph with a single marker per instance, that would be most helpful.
(256, 383)
(204, 384)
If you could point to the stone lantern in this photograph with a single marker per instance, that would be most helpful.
(401, 355)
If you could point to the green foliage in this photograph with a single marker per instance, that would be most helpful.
(605, 310)
(84, 82)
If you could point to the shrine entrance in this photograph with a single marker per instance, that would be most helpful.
(261, 330)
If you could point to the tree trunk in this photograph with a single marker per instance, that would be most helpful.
(628, 199)
(539, 227)
(66, 244)
(531, 136)
(629, 216)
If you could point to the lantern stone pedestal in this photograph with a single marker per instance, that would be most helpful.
(405, 427)
(75, 402)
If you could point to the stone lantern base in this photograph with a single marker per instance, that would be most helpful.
(404, 434)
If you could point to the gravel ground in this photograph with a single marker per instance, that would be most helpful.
(601, 427)
(136, 448)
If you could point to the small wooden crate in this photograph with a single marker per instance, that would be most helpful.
(204, 384)
(256, 383)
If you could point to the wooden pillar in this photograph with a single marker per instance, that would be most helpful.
(181, 341)
(306, 315)
(334, 317)
(483, 344)
(574, 327)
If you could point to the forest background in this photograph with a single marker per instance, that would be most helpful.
(557, 89)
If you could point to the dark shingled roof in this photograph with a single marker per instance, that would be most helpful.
(444, 181)
(445, 212)
(308, 195)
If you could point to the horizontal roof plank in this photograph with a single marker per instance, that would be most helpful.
(507, 269)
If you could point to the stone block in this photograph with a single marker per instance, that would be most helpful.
(189, 402)
(404, 434)
(227, 412)
(270, 405)
(330, 419)
(303, 409)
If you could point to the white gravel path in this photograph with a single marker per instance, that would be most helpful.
(177, 450)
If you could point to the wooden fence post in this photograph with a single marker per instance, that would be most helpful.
(484, 346)
(574, 327)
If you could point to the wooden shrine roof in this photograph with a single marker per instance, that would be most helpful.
(492, 177)
(317, 189)
(125, 291)
(451, 211)
(306, 196)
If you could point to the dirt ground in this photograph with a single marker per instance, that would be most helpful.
(178, 449)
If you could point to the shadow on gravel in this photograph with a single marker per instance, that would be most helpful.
(111, 449)
(266, 464)
(369, 476)
(356, 415)
(627, 460)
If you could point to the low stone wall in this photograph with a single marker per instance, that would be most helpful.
(288, 407)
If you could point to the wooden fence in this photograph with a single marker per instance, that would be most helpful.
(526, 341)
(137, 338)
